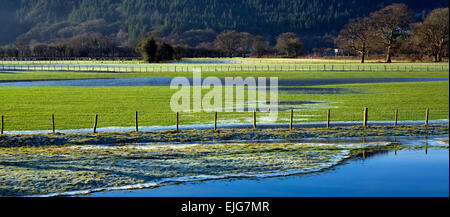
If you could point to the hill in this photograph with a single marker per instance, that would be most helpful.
(124, 21)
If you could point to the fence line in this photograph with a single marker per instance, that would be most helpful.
(230, 68)
(364, 118)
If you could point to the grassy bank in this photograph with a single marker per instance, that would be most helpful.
(222, 135)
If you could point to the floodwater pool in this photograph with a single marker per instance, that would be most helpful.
(417, 172)
(165, 81)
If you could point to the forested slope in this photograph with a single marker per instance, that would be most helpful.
(125, 20)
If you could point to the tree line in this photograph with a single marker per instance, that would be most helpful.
(80, 46)
(229, 43)
(391, 31)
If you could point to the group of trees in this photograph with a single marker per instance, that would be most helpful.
(229, 43)
(244, 44)
(154, 51)
(93, 46)
(391, 31)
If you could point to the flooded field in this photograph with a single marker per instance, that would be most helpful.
(165, 81)
(406, 173)
(65, 170)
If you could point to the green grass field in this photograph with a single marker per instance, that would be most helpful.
(283, 68)
(74, 108)
(47, 75)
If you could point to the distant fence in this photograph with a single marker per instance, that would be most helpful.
(228, 67)
(287, 120)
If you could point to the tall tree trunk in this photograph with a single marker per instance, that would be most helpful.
(388, 55)
(363, 57)
(437, 57)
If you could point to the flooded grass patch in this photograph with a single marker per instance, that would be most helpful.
(67, 164)
(57, 169)
(193, 136)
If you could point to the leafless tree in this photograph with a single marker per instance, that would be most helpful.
(432, 36)
(260, 47)
(289, 44)
(245, 43)
(357, 37)
(390, 24)
(228, 42)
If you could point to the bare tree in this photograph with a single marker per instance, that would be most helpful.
(357, 37)
(260, 47)
(289, 44)
(390, 23)
(432, 36)
(228, 42)
(245, 43)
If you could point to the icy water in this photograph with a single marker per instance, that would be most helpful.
(400, 173)
(165, 81)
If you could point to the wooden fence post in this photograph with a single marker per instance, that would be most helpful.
(3, 126)
(396, 117)
(178, 122)
(292, 120)
(427, 115)
(365, 116)
(53, 123)
(95, 123)
(215, 121)
(328, 118)
(254, 119)
(137, 122)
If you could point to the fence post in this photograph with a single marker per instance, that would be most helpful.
(365, 116)
(292, 120)
(137, 122)
(53, 123)
(396, 117)
(215, 121)
(254, 119)
(95, 123)
(3, 126)
(178, 122)
(328, 118)
(427, 114)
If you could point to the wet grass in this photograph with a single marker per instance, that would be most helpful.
(222, 135)
(51, 169)
(44, 170)
(65, 75)
(74, 108)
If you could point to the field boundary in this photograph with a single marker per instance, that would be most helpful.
(231, 68)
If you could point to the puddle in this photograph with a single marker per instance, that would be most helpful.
(321, 91)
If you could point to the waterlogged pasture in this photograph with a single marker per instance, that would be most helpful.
(82, 169)
(46, 170)
(75, 108)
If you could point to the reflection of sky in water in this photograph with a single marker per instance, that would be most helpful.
(386, 174)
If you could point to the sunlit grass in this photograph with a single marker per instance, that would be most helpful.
(74, 108)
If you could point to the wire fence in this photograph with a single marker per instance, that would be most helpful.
(228, 67)
(84, 120)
